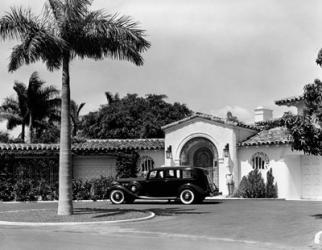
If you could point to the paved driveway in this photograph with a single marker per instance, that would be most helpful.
(216, 224)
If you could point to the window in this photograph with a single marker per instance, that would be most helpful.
(145, 164)
(186, 174)
(153, 175)
(260, 161)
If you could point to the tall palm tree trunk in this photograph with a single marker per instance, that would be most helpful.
(23, 132)
(65, 205)
(29, 134)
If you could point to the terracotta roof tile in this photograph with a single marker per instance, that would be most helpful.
(104, 145)
(279, 135)
(210, 118)
(289, 100)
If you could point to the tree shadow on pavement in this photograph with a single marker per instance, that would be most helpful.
(317, 216)
(166, 211)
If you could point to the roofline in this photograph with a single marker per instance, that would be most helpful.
(289, 101)
(253, 144)
(210, 118)
(80, 147)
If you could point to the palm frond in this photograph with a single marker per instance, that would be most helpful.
(13, 119)
(17, 24)
(110, 36)
(80, 108)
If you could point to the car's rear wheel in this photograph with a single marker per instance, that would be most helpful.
(117, 196)
(187, 196)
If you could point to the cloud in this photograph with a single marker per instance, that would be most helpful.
(242, 114)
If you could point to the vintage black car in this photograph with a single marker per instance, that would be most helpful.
(186, 184)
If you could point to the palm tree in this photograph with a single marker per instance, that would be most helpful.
(75, 109)
(38, 104)
(111, 98)
(11, 111)
(68, 28)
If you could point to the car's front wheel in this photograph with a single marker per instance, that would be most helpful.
(117, 196)
(187, 196)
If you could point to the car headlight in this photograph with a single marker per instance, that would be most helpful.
(133, 188)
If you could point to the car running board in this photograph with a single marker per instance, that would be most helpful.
(157, 198)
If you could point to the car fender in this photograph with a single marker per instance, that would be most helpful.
(194, 187)
(125, 190)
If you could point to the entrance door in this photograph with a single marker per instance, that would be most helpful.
(204, 158)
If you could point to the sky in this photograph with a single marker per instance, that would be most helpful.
(212, 55)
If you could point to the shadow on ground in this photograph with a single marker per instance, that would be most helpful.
(317, 216)
(167, 211)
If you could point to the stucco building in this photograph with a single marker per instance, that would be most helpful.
(227, 149)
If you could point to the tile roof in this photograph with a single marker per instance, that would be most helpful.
(99, 145)
(211, 118)
(289, 100)
(278, 135)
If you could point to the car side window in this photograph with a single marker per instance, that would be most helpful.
(153, 175)
(178, 172)
(169, 173)
(161, 174)
(186, 174)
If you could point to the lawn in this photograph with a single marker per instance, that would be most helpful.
(83, 212)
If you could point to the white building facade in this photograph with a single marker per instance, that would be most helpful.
(228, 149)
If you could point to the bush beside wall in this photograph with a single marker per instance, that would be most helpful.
(253, 186)
(31, 190)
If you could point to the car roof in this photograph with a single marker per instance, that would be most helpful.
(178, 167)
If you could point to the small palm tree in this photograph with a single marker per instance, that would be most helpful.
(11, 111)
(36, 105)
(111, 98)
(75, 109)
(68, 28)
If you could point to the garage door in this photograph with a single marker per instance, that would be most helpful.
(311, 177)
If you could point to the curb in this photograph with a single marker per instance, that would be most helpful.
(32, 224)
(317, 238)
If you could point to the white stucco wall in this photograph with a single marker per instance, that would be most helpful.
(156, 155)
(286, 166)
(219, 134)
(311, 177)
(89, 167)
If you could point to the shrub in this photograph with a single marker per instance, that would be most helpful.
(256, 188)
(99, 187)
(81, 189)
(6, 189)
(126, 164)
(271, 188)
(242, 189)
(26, 190)
(252, 186)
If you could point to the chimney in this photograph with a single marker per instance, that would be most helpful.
(263, 114)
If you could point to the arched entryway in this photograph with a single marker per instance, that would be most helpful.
(201, 152)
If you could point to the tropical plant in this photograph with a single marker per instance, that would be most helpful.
(126, 164)
(4, 137)
(13, 113)
(36, 105)
(75, 109)
(68, 28)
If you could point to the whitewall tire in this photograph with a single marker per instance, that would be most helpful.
(187, 196)
(117, 196)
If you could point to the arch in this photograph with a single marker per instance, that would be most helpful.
(145, 164)
(192, 136)
(201, 152)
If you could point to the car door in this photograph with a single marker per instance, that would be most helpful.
(155, 184)
(172, 182)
